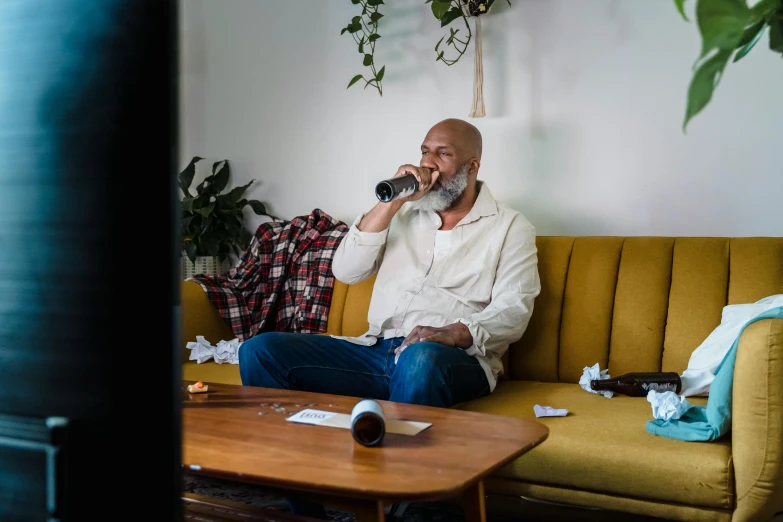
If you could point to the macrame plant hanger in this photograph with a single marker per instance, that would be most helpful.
(476, 8)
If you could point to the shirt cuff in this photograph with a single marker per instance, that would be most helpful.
(480, 337)
(367, 238)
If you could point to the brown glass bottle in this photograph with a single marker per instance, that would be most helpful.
(640, 384)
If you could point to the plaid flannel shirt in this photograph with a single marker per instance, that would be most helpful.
(284, 280)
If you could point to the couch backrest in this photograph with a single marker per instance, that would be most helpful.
(634, 304)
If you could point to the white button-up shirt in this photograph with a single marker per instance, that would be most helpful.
(484, 276)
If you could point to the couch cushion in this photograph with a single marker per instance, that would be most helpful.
(602, 446)
(210, 371)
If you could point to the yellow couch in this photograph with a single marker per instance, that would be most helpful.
(634, 304)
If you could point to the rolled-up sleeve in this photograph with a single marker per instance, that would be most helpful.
(359, 255)
(516, 286)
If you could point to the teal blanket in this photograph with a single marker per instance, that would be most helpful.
(710, 422)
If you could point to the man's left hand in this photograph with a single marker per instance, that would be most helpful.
(456, 334)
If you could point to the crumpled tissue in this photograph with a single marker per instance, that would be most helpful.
(667, 405)
(594, 373)
(225, 351)
(549, 411)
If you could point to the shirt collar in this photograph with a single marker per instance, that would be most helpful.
(484, 206)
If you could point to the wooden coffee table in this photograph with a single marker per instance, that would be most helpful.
(232, 432)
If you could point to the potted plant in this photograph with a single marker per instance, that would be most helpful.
(212, 219)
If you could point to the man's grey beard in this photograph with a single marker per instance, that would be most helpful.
(446, 195)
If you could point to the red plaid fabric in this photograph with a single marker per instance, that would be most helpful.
(284, 281)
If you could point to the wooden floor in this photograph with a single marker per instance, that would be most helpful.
(204, 509)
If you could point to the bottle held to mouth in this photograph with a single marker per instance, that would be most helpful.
(397, 187)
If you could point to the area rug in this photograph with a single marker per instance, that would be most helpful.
(263, 498)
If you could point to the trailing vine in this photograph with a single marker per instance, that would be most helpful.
(364, 30)
(447, 11)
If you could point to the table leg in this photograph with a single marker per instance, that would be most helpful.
(369, 512)
(473, 501)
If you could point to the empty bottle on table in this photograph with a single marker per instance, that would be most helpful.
(368, 422)
(640, 384)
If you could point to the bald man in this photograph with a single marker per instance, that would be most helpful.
(457, 275)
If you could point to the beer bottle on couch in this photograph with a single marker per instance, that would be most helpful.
(640, 384)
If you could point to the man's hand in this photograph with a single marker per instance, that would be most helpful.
(425, 177)
(456, 334)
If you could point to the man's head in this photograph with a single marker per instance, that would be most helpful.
(453, 148)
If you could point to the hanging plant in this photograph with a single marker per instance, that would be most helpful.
(364, 30)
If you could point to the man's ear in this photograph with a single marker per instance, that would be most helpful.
(475, 164)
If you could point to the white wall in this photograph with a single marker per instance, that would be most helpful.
(585, 100)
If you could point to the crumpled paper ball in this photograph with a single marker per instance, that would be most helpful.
(667, 405)
(225, 352)
(594, 373)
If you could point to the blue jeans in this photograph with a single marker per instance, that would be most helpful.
(429, 374)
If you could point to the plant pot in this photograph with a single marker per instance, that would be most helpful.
(209, 265)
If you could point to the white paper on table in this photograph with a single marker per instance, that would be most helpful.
(343, 420)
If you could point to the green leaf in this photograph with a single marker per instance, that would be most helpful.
(776, 33)
(205, 224)
(191, 250)
(354, 80)
(206, 211)
(763, 9)
(440, 8)
(257, 207)
(440, 56)
(343, 31)
(450, 16)
(749, 39)
(185, 222)
(186, 176)
(438, 44)
(375, 16)
(373, 37)
(221, 171)
(354, 28)
(212, 246)
(234, 224)
(721, 23)
(356, 20)
(201, 201)
(681, 8)
(244, 238)
(703, 83)
(380, 74)
(237, 192)
(187, 204)
(374, 3)
(361, 45)
(354, 2)
(367, 59)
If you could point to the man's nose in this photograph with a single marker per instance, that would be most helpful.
(427, 163)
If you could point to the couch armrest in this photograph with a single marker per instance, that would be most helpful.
(757, 421)
(199, 317)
